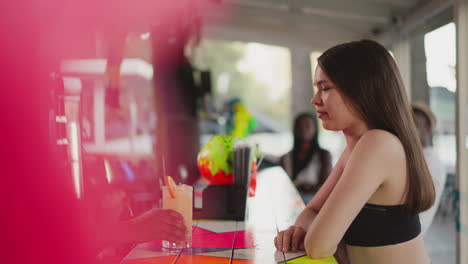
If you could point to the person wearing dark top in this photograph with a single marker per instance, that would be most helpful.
(307, 163)
(367, 210)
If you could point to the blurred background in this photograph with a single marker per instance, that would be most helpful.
(103, 98)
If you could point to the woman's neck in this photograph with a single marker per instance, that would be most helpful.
(304, 146)
(354, 133)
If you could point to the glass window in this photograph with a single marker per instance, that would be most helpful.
(441, 61)
(260, 76)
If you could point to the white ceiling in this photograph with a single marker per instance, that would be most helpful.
(318, 23)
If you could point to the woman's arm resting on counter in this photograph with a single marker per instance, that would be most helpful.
(362, 176)
(293, 237)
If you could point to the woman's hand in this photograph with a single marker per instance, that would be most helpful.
(157, 224)
(290, 239)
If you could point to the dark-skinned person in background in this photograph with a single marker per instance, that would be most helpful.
(307, 164)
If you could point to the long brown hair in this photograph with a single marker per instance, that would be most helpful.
(368, 77)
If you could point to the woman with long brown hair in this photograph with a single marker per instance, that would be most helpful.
(369, 205)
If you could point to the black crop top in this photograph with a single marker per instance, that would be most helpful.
(382, 225)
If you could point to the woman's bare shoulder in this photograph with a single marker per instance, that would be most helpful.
(381, 140)
(381, 153)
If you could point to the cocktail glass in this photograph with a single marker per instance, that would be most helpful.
(181, 203)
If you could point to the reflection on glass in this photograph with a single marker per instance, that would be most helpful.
(75, 157)
(110, 125)
(124, 129)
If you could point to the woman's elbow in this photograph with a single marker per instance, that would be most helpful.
(316, 254)
(318, 250)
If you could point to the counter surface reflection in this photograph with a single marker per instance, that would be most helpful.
(275, 207)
